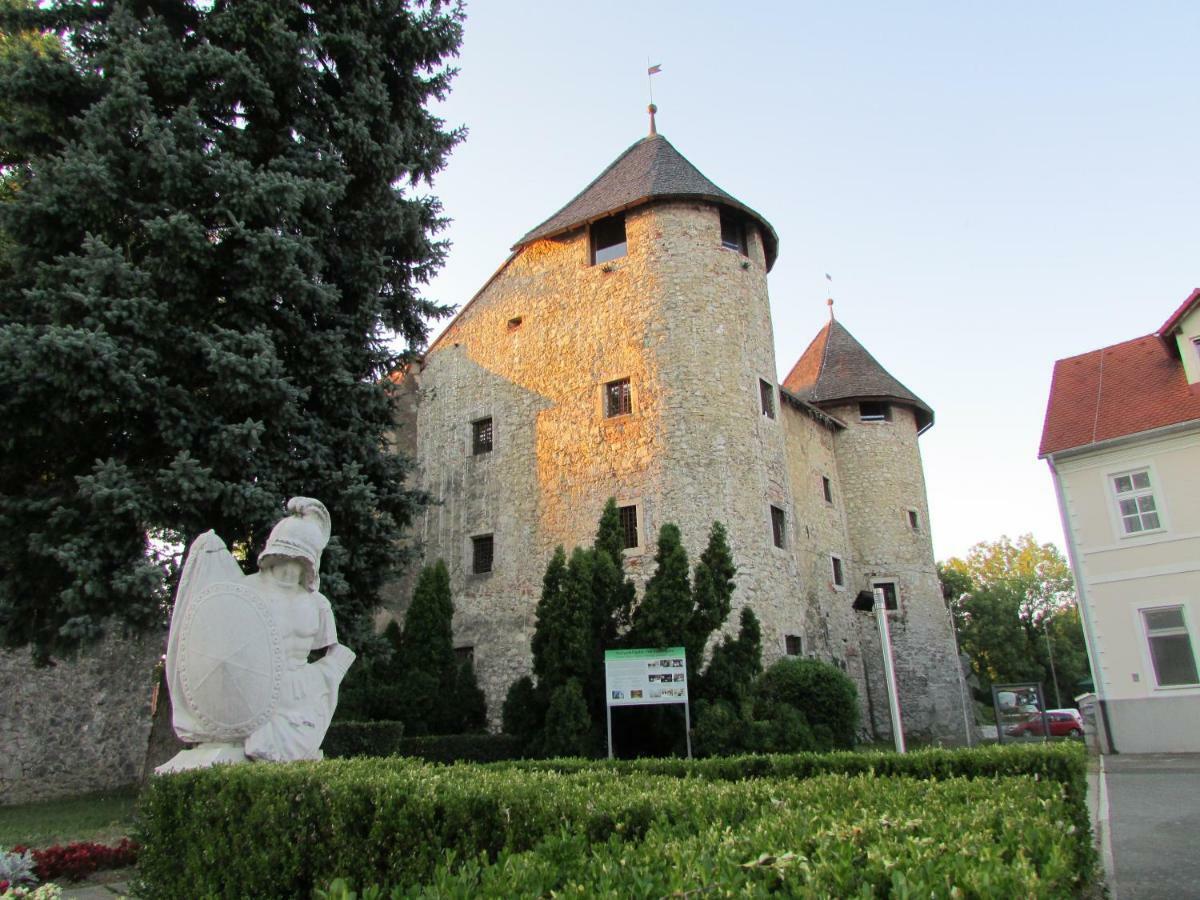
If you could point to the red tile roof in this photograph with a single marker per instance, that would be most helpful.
(1169, 325)
(1117, 391)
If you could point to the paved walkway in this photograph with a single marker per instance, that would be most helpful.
(1147, 813)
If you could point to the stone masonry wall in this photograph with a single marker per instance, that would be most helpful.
(79, 726)
(883, 480)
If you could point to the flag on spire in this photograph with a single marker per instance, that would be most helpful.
(654, 70)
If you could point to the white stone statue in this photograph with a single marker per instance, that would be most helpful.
(237, 655)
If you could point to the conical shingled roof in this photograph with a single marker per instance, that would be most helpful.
(836, 367)
(652, 169)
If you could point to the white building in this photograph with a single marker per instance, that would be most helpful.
(1122, 437)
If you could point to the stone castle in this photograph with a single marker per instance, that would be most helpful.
(625, 349)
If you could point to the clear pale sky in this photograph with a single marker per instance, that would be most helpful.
(991, 186)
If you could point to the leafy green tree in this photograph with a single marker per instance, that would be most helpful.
(214, 223)
(1014, 609)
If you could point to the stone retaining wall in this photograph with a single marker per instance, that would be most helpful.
(79, 726)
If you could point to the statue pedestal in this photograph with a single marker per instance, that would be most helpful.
(203, 756)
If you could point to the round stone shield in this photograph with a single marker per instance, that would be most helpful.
(230, 660)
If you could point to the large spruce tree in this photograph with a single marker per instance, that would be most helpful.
(213, 226)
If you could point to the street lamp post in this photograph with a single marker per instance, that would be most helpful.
(864, 602)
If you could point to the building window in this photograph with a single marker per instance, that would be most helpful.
(465, 654)
(793, 645)
(618, 398)
(874, 411)
(608, 238)
(733, 231)
(482, 554)
(778, 526)
(629, 526)
(1135, 502)
(766, 396)
(890, 597)
(827, 488)
(839, 577)
(481, 436)
(1170, 646)
(514, 323)
(914, 521)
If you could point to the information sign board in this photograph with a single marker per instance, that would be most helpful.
(645, 677)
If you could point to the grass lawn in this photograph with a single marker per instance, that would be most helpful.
(102, 818)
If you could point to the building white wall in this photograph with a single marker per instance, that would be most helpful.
(1119, 575)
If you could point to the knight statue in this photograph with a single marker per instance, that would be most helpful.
(238, 669)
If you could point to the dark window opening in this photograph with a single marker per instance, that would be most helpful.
(793, 645)
(913, 522)
(481, 436)
(482, 551)
(839, 577)
(618, 398)
(608, 238)
(874, 411)
(514, 323)
(778, 526)
(629, 525)
(889, 594)
(464, 654)
(733, 231)
(827, 488)
(766, 395)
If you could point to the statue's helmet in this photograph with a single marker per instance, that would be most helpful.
(300, 535)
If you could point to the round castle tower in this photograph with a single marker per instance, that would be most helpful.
(624, 350)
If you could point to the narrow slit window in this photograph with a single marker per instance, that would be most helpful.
(608, 239)
(618, 398)
(778, 526)
(827, 488)
(482, 554)
(733, 231)
(839, 576)
(766, 397)
(914, 521)
(481, 436)
(629, 526)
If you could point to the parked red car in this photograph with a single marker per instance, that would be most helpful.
(1063, 723)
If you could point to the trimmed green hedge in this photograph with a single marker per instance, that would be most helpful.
(518, 829)
(353, 739)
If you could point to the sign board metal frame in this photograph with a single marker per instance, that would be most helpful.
(646, 677)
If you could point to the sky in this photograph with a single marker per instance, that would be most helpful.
(991, 187)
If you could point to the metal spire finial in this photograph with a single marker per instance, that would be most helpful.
(652, 109)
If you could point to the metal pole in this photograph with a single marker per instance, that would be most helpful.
(687, 724)
(1050, 653)
(885, 638)
(608, 710)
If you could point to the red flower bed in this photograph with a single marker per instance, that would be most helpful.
(78, 860)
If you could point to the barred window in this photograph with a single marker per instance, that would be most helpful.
(618, 398)
(793, 645)
(482, 552)
(629, 525)
(481, 436)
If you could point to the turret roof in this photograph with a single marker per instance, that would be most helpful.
(837, 367)
(652, 169)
